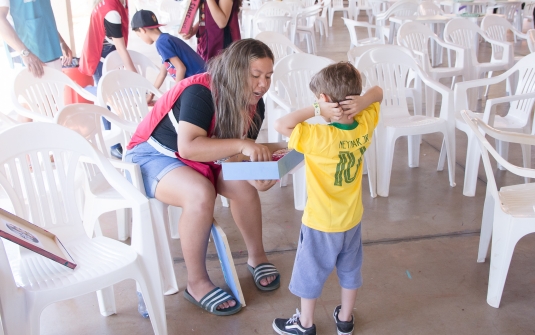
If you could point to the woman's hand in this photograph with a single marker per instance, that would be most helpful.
(34, 65)
(192, 31)
(256, 152)
(66, 59)
(149, 96)
(262, 185)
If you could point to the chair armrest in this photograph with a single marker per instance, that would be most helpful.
(488, 117)
(279, 101)
(85, 94)
(520, 34)
(28, 113)
(135, 173)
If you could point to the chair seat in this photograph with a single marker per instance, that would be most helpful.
(518, 200)
(94, 258)
(503, 123)
(368, 41)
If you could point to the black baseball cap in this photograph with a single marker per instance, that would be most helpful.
(145, 19)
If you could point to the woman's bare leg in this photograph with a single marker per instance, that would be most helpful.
(247, 213)
(186, 188)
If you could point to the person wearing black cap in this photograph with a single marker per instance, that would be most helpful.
(179, 60)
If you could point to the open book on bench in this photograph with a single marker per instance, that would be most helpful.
(34, 238)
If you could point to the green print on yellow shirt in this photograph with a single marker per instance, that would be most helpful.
(343, 168)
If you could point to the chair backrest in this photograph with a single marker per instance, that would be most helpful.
(509, 9)
(531, 40)
(399, 8)
(280, 45)
(462, 32)
(415, 36)
(496, 27)
(295, 5)
(479, 128)
(388, 67)
(529, 6)
(125, 93)
(273, 16)
(307, 3)
(42, 191)
(45, 95)
(354, 54)
(429, 8)
(523, 109)
(291, 77)
(142, 63)
(352, 27)
(363, 5)
(337, 3)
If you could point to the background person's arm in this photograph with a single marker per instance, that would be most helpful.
(123, 53)
(179, 67)
(9, 35)
(66, 60)
(220, 13)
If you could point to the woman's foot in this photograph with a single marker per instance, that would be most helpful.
(199, 289)
(264, 281)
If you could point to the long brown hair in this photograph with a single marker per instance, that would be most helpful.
(229, 83)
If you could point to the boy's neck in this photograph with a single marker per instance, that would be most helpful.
(344, 120)
(154, 34)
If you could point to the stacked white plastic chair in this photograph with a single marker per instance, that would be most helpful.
(306, 24)
(290, 91)
(44, 96)
(518, 118)
(464, 33)
(417, 37)
(44, 194)
(527, 13)
(338, 6)
(508, 213)
(388, 67)
(355, 26)
(143, 65)
(399, 8)
(275, 16)
(510, 10)
(363, 5)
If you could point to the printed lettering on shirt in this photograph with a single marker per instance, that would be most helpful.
(347, 161)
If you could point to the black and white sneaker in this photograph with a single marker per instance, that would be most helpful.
(292, 326)
(343, 327)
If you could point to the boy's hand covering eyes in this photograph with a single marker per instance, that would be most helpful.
(353, 105)
(330, 110)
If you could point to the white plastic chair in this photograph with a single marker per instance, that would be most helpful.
(353, 28)
(305, 26)
(365, 6)
(322, 23)
(417, 37)
(527, 13)
(508, 213)
(338, 6)
(45, 195)
(44, 96)
(388, 67)
(517, 119)
(279, 44)
(510, 10)
(125, 93)
(399, 8)
(429, 8)
(290, 91)
(465, 33)
(143, 64)
(274, 16)
(531, 40)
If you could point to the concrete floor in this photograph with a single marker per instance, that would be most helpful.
(420, 271)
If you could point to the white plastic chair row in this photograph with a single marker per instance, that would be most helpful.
(508, 213)
(45, 195)
(388, 67)
(517, 119)
(399, 8)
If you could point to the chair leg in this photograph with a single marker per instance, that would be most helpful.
(384, 165)
(331, 14)
(371, 163)
(442, 156)
(123, 224)
(174, 217)
(487, 89)
(414, 150)
(155, 306)
(526, 157)
(224, 202)
(486, 227)
(106, 301)
(504, 237)
(471, 168)
(300, 191)
(503, 150)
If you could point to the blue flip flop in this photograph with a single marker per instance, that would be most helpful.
(213, 299)
(262, 271)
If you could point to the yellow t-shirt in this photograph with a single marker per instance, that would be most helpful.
(333, 161)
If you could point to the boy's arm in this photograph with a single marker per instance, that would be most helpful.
(161, 77)
(287, 123)
(179, 67)
(356, 104)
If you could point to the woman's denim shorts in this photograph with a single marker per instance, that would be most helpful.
(153, 164)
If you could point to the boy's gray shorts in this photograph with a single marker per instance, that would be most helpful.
(317, 255)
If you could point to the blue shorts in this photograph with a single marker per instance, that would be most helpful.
(317, 255)
(153, 164)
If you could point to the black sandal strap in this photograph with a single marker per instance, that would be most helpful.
(264, 270)
(214, 298)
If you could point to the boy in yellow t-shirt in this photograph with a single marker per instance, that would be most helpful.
(330, 234)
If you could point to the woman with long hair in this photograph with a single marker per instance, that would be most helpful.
(217, 28)
(202, 120)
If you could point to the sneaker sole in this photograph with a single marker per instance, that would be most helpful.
(281, 332)
(339, 332)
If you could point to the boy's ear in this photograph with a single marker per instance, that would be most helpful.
(324, 97)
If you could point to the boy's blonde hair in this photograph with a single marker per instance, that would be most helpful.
(337, 81)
